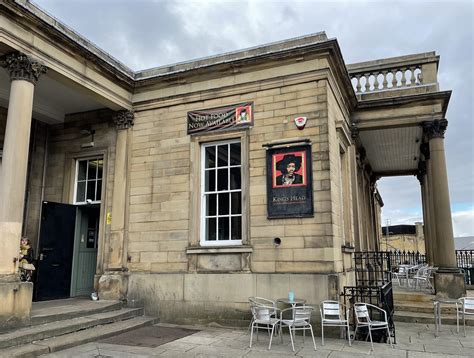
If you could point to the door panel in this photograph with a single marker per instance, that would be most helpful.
(85, 250)
(56, 250)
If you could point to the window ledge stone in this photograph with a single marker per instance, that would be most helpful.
(218, 250)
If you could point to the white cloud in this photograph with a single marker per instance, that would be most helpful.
(463, 222)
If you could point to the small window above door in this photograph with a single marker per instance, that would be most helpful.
(88, 184)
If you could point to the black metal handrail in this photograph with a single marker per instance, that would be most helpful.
(380, 296)
(465, 260)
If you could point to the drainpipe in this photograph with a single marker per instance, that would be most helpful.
(43, 181)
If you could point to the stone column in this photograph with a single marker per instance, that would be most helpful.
(24, 74)
(111, 285)
(421, 176)
(448, 280)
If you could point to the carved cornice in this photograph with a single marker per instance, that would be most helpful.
(124, 119)
(421, 171)
(435, 129)
(22, 67)
(354, 132)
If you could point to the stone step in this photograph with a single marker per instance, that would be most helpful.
(405, 297)
(69, 340)
(50, 311)
(419, 317)
(58, 328)
(423, 307)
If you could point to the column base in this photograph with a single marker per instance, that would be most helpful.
(449, 283)
(113, 286)
(15, 307)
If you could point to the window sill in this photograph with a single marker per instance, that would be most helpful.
(218, 250)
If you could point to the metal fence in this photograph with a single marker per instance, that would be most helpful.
(380, 296)
(372, 268)
(465, 260)
(373, 271)
(406, 258)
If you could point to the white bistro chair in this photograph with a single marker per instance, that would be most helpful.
(423, 276)
(363, 320)
(300, 321)
(334, 315)
(263, 318)
(466, 308)
(261, 301)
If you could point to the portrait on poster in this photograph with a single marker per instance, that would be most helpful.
(289, 182)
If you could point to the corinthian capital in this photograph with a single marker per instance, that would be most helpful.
(435, 129)
(22, 67)
(124, 119)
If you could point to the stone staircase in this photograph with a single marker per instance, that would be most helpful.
(417, 307)
(61, 324)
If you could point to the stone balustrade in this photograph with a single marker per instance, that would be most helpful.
(394, 73)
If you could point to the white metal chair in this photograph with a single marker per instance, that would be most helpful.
(423, 276)
(333, 316)
(401, 274)
(261, 301)
(363, 319)
(262, 318)
(300, 321)
(466, 308)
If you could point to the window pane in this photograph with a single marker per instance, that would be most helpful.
(236, 203)
(92, 173)
(236, 228)
(235, 154)
(211, 229)
(211, 204)
(210, 157)
(81, 192)
(210, 184)
(81, 175)
(235, 180)
(222, 154)
(224, 204)
(222, 179)
(100, 166)
(90, 190)
(224, 228)
(99, 190)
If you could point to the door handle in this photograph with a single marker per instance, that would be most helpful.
(55, 265)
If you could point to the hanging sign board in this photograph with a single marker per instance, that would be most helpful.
(220, 119)
(289, 182)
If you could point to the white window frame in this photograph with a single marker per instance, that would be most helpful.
(203, 241)
(76, 177)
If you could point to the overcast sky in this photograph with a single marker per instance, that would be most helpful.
(146, 33)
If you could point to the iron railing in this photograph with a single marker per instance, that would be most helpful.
(372, 268)
(465, 260)
(380, 296)
(406, 258)
(373, 271)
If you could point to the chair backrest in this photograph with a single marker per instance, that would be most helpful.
(330, 309)
(302, 313)
(468, 304)
(361, 312)
(262, 313)
(261, 301)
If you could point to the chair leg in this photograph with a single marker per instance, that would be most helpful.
(271, 337)
(322, 334)
(464, 323)
(251, 336)
(312, 335)
(348, 334)
(370, 335)
(457, 319)
(291, 338)
(389, 337)
(304, 333)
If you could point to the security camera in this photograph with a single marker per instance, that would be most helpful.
(89, 201)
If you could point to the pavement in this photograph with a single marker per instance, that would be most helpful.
(413, 341)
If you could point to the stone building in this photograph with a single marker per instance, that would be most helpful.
(407, 238)
(172, 186)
